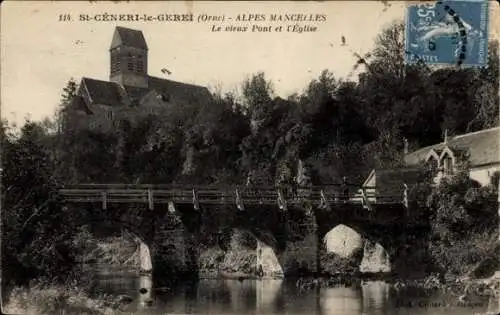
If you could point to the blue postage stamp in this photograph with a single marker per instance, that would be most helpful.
(448, 32)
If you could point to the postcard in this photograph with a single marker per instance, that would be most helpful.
(210, 157)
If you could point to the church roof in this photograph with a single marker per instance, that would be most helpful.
(108, 93)
(181, 91)
(135, 94)
(102, 92)
(78, 103)
(128, 37)
(483, 147)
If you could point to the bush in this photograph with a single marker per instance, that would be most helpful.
(467, 256)
(464, 224)
(42, 299)
(459, 207)
(210, 260)
(332, 263)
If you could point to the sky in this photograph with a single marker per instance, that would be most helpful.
(39, 53)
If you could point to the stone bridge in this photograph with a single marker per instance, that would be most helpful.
(289, 223)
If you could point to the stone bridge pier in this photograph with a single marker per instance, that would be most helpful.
(288, 238)
(167, 235)
(175, 246)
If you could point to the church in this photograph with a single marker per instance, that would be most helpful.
(130, 92)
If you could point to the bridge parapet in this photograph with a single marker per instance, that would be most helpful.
(270, 195)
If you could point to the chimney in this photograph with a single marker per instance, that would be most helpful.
(446, 136)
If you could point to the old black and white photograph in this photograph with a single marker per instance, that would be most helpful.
(268, 158)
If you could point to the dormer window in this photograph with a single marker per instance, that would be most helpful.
(447, 161)
(432, 161)
(432, 165)
(447, 165)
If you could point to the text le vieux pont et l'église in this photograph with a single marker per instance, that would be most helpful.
(262, 23)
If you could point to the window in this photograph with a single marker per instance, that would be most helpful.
(448, 165)
(130, 62)
(115, 63)
(140, 65)
(109, 115)
(432, 166)
(495, 179)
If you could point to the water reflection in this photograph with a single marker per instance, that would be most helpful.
(145, 291)
(279, 297)
(341, 300)
(375, 297)
(113, 280)
(266, 292)
(242, 295)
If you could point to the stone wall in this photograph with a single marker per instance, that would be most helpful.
(268, 265)
(375, 259)
(283, 246)
(169, 248)
(301, 254)
(239, 260)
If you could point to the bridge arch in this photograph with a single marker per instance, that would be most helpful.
(246, 253)
(161, 236)
(107, 242)
(355, 245)
(343, 241)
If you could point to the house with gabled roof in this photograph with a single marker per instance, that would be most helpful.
(479, 152)
(130, 92)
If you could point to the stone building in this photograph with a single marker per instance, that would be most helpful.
(479, 152)
(130, 92)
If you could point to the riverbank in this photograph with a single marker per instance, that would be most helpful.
(461, 287)
(51, 299)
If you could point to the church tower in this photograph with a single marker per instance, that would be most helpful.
(129, 58)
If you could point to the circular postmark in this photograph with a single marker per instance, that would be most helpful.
(460, 37)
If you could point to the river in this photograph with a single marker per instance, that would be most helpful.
(218, 296)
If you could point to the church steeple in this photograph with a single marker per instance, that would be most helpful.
(129, 58)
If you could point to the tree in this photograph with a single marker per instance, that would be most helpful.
(258, 148)
(389, 52)
(27, 180)
(486, 98)
(257, 93)
(65, 138)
